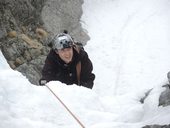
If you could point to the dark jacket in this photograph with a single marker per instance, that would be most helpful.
(56, 69)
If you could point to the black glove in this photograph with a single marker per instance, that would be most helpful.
(42, 82)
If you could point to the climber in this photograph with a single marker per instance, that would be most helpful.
(67, 63)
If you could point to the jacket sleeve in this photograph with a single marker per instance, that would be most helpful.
(48, 72)
(87, 77)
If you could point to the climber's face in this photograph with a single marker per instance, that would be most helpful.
(66, 54)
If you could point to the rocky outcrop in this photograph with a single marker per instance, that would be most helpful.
(64, 14)
(156, 126)
(164, 100)
(27, 26)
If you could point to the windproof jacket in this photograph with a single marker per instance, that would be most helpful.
(56, 69)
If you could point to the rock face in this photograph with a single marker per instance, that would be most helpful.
(156, 126)
(64, 14)
(164, 99)
(27, 26)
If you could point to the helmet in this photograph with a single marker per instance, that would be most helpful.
(62, 41)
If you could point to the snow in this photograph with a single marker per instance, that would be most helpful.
(129, 47)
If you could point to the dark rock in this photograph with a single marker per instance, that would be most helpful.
(157, 126)
(146, 95)
(164, 99)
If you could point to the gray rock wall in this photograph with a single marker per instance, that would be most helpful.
(27, 26)
(64, 14)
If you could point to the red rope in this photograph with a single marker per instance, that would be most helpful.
(66, 108)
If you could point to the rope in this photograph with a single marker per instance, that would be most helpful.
(78, 121)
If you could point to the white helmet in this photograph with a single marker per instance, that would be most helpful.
(62, 41)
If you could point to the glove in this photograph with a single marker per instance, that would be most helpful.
(42, 82)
